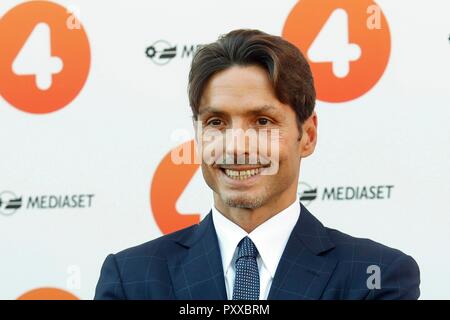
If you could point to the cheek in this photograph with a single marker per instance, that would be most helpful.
(212, 147)
(208, 176)
(207, 171)
(289, 150)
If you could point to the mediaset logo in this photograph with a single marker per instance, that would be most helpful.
(307, 193)
(161, 52)
(10, 202)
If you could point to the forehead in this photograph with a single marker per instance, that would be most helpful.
(238, 87)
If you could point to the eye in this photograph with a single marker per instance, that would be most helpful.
(263, 121)
(214, 122)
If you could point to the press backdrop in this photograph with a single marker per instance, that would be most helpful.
(93, 98)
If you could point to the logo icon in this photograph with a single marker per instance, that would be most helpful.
(169, 182)
(161, 52)
(45, 57)
(346, 42)
(9, 203)
(306, 193)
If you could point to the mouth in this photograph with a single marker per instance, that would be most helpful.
(241, 172)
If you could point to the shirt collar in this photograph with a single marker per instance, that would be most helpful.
(270, 237)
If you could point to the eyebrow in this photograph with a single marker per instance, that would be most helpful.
(256, 110)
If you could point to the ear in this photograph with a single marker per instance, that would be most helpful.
(309, 136)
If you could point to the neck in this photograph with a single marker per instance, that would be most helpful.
(249, 219)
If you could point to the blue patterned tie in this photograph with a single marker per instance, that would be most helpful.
(246, 283)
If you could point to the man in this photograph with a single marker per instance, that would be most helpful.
(258, 241)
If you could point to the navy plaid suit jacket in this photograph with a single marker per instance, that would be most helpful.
(317, 263)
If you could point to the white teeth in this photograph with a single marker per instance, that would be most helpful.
(241, 174)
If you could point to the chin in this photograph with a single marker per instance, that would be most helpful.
(242, 201)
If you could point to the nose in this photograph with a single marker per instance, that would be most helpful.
(241, 144)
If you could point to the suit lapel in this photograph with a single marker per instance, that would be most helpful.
(302, 272)
(198, 273)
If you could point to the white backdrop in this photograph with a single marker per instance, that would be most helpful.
(105, 145)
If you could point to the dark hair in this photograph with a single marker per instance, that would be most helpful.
(287, 68)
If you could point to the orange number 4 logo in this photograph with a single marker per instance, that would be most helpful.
(45, 57)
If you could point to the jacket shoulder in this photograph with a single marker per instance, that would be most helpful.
(140, 272)
(361, 261)
(158, 247)
(362, 249)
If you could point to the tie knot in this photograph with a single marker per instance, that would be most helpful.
(247, 248)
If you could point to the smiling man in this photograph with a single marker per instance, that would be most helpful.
(252, 96)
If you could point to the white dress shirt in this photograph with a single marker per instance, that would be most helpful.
(270, 238)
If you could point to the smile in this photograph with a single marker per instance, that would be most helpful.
(241, 174)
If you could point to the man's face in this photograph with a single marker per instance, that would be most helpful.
(241, 99)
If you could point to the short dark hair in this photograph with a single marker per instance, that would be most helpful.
(287, 68)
